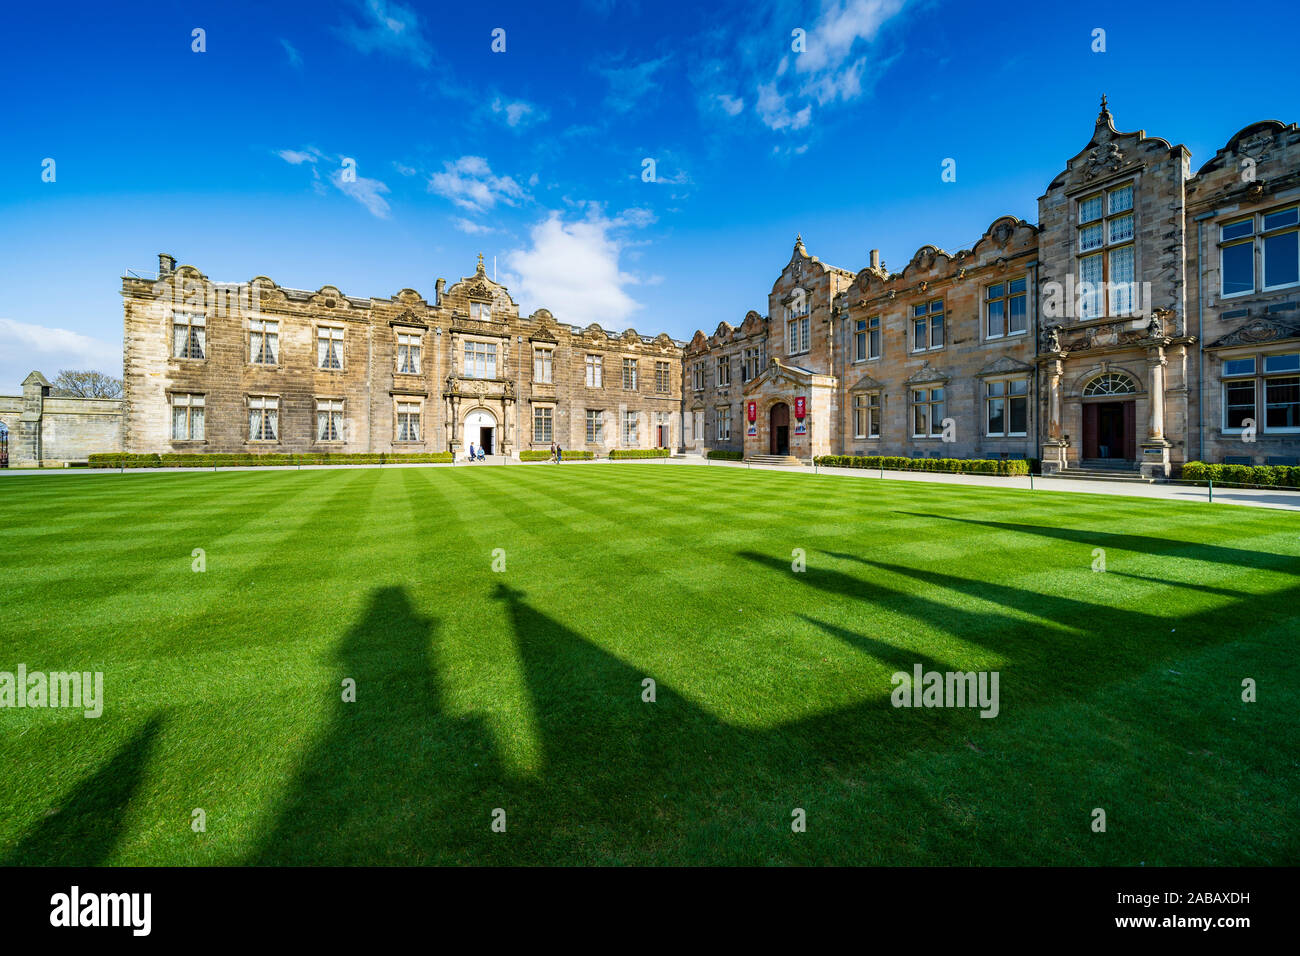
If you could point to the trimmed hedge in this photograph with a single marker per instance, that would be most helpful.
(724, 455)
(122, 460)
(956, 466)
(618, 453)
(1260, 476)
(541, 454)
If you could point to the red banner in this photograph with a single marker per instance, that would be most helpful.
(753, 411)
(799, 409)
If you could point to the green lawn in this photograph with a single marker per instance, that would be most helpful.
(522, 689)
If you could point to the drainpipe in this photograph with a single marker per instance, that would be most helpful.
(1038, 417)
(1200, 338)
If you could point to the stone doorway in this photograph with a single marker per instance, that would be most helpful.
(779, 429)
(1110, 430)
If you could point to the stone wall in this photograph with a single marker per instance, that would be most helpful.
(46, 429)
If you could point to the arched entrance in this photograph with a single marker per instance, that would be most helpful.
(1110, 418)
(4, 445)
(481, 430)
(779, 429)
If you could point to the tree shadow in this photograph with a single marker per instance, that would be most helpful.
(88, 824)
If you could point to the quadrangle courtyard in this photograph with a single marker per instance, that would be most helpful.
(501, 626)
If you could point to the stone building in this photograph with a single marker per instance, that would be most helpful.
(256, 367)
(1150, 317)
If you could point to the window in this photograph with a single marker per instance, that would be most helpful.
(329, 420)
(1282, 393)
(1004, 309)
(263, 418)
(593, 371)
(927, 412)
(1272, 238)
(329, 347)
(408, 353)
(1007, 406)
(1106, 253)
(595, 426)
(189, 335)
(543, 362)
(542, 418)
(724, 423)
(752, 366)
(927, 326)
(629, 429)
(482, 311)
(1113, 383)
(187, 417)
(480, 360)
(263, 342)
(408, 421)
(797, 335)
(1239, 403)
(663, 376)
(697, 376)
(866, 415)
(866, 339)
(724, 371)
(629, 374)
(699, 426)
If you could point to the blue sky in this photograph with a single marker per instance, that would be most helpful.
(233, 159)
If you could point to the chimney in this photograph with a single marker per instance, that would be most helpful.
(875, 258)
(166, 265)
(437, 291)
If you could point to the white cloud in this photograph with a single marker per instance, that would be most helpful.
(828, 69)
(404, 169)
(628, 84)
(296, 157)
(368, 192)
(572, 268)
(389, 28)
(24, 347)
(731, 105)
(295, 58)
(774, 110)
(471, 227)
(470, 183)
(517, 113)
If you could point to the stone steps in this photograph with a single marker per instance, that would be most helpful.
(774, 460)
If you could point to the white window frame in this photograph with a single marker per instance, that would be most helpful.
(196, 335)
(927, 316)
(409, 345)
(480, 359)
(326, 337)
(544, 364)
(267, 410)
(930, 404)
(595, 370)
(263, 333)
(543, 424)
(866, 414)
(1006, 396)
(192, 402)
(329, 421)
(595, 426)
(723, 421)
(408, 418)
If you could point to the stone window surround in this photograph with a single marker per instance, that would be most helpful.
(418, 332)
(343, 411)
(317, 326)
(418, 402)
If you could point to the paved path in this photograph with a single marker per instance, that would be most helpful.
(1252, 497)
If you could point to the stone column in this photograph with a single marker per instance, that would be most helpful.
(1054, 448)
(1156, 370)
(25, 446)
(1155, 450)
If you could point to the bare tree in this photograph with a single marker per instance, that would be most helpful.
(87, 384)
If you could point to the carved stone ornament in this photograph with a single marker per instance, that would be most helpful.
(1103, 160)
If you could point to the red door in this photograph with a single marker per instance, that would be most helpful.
(1090, 430)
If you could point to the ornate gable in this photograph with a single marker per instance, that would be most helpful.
(925, 374)
(1004, 365)
(1259, 332)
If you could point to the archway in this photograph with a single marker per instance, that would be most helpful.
(779, 429)
(481, 430)
(1110, 418)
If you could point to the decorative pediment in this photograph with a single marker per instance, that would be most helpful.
(1258, 332)
(926, 373)
(409, 318)
(699, 342)
(866, 384)
(776, 375)
(1004, 365)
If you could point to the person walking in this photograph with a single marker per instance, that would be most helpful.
(471, 451)
(559, 453)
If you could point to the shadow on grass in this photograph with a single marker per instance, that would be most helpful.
(87, 825)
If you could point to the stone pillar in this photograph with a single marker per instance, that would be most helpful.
(1055, 448)
(1155, 450)
(25, 449)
